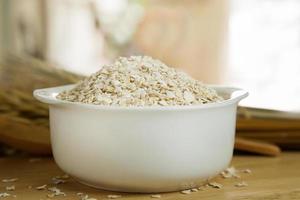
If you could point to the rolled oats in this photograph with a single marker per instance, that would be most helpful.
(247, 171)
(84, 196)
(10, 188)
(55, 192)
(42, 187)
(9, 180)
(230, 172)
(57, 181)
(113, 196)
(156, 196)
(4, 194)
(140, 81)
(186, 192)
(241, 184)
(215, 185)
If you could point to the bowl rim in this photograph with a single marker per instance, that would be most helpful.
(48, 95)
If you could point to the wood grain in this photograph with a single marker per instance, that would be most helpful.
(271, 178)
(24, 135)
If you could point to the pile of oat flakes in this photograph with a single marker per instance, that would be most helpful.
(140, 81)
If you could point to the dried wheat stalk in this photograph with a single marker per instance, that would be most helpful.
(19, 76)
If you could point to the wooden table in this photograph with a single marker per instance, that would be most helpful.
(271, 178)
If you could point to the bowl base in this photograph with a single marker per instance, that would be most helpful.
(144, 190)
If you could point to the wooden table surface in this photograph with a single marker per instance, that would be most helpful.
(271, 178)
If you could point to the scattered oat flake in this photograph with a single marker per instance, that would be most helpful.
(247, 171)
(57, 181)
(156, 196)
(86, 197)
(42, 187)
(65, 176)
(56, 192)
(194, 190)
(9, 180)
(186, 192)
(10, 188)
(4, 194)
(241, 184)
(51, 195)
(53, 189)
(230, 172)
(112, 196)
(215, 185)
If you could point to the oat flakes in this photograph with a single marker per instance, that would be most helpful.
(140, 81)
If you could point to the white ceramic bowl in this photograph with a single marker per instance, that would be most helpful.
(142, 149)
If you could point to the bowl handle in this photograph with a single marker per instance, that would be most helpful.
(235, 94)
(48, 95)
(239, 94)
(45, 96)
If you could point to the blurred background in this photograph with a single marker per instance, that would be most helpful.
(252, 44)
